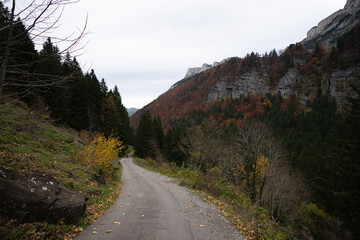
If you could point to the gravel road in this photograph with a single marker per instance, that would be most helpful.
(152, 206)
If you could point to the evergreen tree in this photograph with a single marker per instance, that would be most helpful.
(158, 132)
(75, 90)
(110, 117)
(143, 137)
(173, 146)
(103, 89)
(21, 59)
(93, 101)
(50, 69)
(124, 121)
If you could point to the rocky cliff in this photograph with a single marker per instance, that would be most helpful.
(195, 70)
(302, 71)
(337, 24)
(336, 83)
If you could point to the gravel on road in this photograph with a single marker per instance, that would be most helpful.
(153, 206)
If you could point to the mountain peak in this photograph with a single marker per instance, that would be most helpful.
(195, 70)
(337, 24)
(351, 4)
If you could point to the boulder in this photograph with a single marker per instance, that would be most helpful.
(37, 196)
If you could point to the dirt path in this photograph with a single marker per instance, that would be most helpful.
(152, 206)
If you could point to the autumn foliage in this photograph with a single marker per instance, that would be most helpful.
(101, 151)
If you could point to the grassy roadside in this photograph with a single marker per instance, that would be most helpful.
(31, 144)
(252, 221)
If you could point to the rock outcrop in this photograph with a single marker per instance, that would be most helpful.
(192, 71)
(35, 196)
(248, 83)
(337, 84)
(337, 24)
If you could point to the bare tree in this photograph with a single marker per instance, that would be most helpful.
(257, 151)
(268, 176)
(204, 147)
(39, 19)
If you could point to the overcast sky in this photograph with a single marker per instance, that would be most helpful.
(145, 46)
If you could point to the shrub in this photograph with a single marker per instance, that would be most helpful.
(315, 219)
(101, 152)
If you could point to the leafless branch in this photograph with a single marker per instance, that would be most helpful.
(40, 18)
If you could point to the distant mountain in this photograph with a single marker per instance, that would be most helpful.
(131, 111)
(327, 62)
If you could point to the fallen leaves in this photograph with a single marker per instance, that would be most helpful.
(108, 231)
(94, 232)
(202, 226)
(116, 223)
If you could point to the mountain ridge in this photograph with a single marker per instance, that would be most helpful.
(326, 68)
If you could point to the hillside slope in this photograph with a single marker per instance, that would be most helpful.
(30, 143)
(298, 72)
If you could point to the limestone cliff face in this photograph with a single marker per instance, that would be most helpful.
(192, 71)
(298, 71)
(252, 83)
(337, 83)
(195, 70)
(337, 24)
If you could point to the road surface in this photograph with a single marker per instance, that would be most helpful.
(152, 206)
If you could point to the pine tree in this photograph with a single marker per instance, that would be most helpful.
(124, 121)
(21, 58)
(103, 88)
(143, 137)
(158, 132)
(173, 146)
(93, 101)
(50, 68)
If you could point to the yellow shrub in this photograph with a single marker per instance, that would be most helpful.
(101, 151)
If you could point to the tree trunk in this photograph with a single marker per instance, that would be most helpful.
(7, 50)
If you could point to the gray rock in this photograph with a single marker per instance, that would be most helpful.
(337, 84)
(248, 83)
(287, 83)
(36, 196)
(337, 24)
(192, 71)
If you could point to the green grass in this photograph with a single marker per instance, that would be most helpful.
(30, 144)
